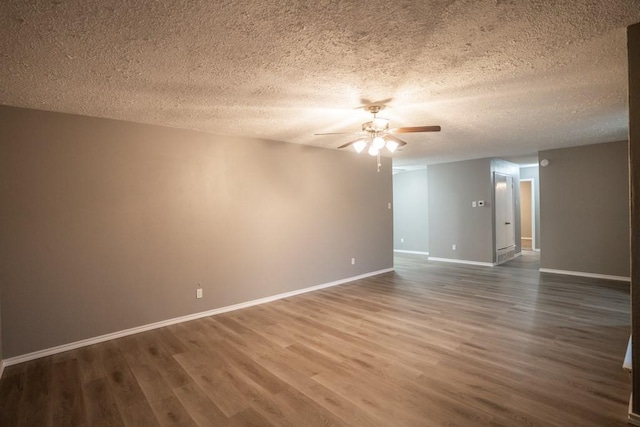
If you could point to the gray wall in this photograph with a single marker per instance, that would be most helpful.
(410, 211)
(109, 225)
(584, 210)
(452, 220)
(532, 173)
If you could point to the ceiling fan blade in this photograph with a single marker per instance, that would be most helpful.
(338, 133)
(349, 143)
(415, 129)
(394, 139)
(366, 103)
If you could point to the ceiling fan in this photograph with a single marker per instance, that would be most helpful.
(377, 135)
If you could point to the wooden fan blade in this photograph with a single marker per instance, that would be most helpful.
(415, 129)
(349, 143)
(394, 139)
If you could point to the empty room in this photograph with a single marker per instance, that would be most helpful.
(319, 213)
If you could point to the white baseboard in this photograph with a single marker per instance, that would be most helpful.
(583, 274)
(402, 251)
(90, 341)
(462, 261)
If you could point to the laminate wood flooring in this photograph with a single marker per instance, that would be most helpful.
(430, 344)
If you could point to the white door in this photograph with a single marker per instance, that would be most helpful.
(505, 224)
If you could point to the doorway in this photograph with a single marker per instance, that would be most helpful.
(527, 215)
(505, 236)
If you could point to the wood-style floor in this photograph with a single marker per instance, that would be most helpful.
(431, 344)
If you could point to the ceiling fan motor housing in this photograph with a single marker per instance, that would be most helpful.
(378, 124)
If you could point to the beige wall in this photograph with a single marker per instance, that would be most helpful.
(525, 208)
(109, 225)
(584, 209)
(532, 173)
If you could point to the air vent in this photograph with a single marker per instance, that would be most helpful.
(505, 254)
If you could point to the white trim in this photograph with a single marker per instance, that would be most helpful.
(2, 365)
(402, 251)
(462, 261)
(525, 238)
(583, 274)
(90, 341)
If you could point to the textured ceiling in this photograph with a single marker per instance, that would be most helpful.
(502, 78)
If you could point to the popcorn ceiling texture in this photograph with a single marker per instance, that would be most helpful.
(502, 78)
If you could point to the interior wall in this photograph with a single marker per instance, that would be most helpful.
(109, 225)
(532, 173)
(452, 219)
(584, 214)
(411, 211)
(526, 216)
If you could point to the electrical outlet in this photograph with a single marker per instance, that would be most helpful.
(198, 292)
(402, 240)
(453, 247)
(353, 261)
(389, 206)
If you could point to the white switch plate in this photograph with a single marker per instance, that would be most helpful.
(453, 247)
(353, 261)
(473, 204)
(389, 206)
(402, 240)
(199, 293)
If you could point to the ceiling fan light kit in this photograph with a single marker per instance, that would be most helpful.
(377, 134)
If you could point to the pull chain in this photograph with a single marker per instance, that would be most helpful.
(379, 164)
